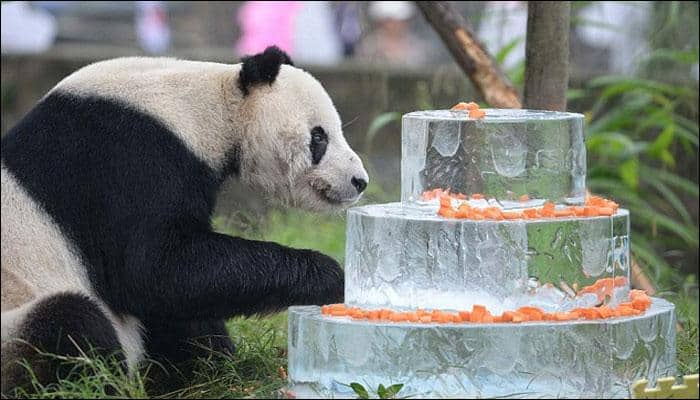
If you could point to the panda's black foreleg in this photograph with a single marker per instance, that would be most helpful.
(177, 274)
(176, 345)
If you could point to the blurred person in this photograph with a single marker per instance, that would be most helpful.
(266, 23)
(25, 29)
(392, 42)
(152, 28)
(304, 29)
(348, 24)
(316, 39)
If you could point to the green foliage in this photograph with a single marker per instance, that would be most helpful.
(382, 391)
(96, 377)
(640, 140)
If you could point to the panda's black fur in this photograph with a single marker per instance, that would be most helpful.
(137, 204)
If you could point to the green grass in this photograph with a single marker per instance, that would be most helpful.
(261, 342)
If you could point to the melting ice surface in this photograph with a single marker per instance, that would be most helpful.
(507, 154)
(406, 256)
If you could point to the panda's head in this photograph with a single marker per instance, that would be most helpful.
(292, 145)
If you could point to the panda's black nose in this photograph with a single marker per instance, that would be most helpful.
(360, 184)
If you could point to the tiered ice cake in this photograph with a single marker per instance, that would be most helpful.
(495, 276)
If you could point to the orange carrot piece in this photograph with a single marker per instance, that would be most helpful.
(446, 212)
(605, 312)
(605, 211)
(512, 215)
(477, 114)
(530, 213)
(472, 106)
(589, 211)
(426, 319)
(384, 314)
(445, 201)
(492, 213)
(507, 316)
(373, 315)
(461, 106)
(464, 316)
(524, 198)
(566, 212)
(532, 313)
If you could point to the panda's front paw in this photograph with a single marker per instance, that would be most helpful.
(326, 281)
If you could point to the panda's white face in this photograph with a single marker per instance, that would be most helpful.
(293, 146)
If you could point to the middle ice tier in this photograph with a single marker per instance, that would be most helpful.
(405, 256)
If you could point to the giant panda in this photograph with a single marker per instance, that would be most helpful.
(108, 186)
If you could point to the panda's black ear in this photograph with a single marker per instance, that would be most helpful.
(262, 68)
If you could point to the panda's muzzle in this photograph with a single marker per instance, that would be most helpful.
(326, 192)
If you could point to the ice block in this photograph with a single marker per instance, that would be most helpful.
(507, 154)
(538, 359)
(401, 256)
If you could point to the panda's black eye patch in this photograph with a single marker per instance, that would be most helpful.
(319, 142)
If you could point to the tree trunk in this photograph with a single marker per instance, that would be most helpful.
(547, 55)
(470, 54)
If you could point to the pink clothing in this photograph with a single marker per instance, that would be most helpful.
(266, 23)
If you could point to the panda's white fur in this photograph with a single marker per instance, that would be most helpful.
(201, 103)
(30, 238)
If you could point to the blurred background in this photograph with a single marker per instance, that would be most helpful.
(634, 74)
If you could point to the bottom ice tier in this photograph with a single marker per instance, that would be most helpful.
(536, 359)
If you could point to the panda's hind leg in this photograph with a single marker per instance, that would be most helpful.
(176, 346)
(65, 324)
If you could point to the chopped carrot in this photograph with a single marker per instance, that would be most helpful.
(532, 313)
(566, 212)
(412, 317)
(530, 212)
(461, 106)
(476, 215)
(426, 319)
(605, 211)
(512, 214)
(384, 314)
(338, 313)
(605, 312)
(477, 114)
(564, 316)
(472, 106)
(590, 211)
(445, 201)
(507, 316)
(478, 312)
(464, 316)
(446, 212)
(518, 317)
(373, 315)
(492, 213)
(524, 198)
(487, 319)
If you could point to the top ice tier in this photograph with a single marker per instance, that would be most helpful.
(507, 154)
